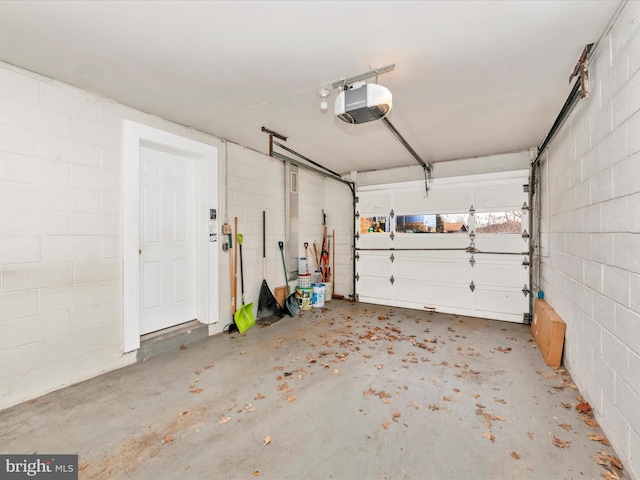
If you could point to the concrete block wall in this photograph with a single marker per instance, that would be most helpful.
(590, 235)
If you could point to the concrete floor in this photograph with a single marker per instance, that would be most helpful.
(355, 391)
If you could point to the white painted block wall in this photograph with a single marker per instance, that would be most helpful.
(61, 230)
(590, 236)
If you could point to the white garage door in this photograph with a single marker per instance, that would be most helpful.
(462, 248)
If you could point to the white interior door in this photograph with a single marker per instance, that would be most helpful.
(167, 239)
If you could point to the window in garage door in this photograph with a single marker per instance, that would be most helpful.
(460, 249)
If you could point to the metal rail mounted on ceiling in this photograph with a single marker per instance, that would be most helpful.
(320, 170)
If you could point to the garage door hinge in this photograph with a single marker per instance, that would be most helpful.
(392, 235)
(525, 188)
(525, 262)
(392, 258)
(357, 235)
(392, 280)
(472, 210)
(357, 199)
(357, 256)
(525, 206)
(472, 286)
(526, 318)
(391, 214)
(357, 277)
(472, 235)
(357, 215)
(526, 290)
(525, 234)
(472, 261)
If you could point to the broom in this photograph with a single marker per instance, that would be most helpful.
(268, 306)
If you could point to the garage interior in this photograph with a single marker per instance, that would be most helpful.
(450, 180)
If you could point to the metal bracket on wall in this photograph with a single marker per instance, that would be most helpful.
(525, 290)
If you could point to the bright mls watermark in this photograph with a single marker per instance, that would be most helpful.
(50, 467)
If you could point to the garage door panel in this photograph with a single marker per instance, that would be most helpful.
(374, 264)
(432, 295)
(378, 203)
(431, 268)
(500, 197)
(510, 243)
(442, 241)
(374, 287)
(511, 301)
(500, 273)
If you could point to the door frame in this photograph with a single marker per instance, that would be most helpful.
(135, 135)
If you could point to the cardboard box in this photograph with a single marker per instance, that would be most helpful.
(548, 330)
(280, 294)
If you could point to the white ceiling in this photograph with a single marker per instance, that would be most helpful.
(471, 77)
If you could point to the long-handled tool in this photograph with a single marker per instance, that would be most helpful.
(269, 310)
(243, 318)
(290, 303)
(232, 326)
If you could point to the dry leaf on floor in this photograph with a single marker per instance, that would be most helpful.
(82, 466)
(183, 347)
(197, 390)
(290, 398)
(479, 405)
(168, 439)
(208, 367)
(380, 366)
(395, 416)
(500, 400)
(383, 394)
(610, 475)
(583, 407)
(560, 443)
(615, 462)
(566, 426)
(447, 399)
(530, 435)
(186, 467)
(385, 425)
(283, 386)
(566, 405)
(489, 436)
(198, 372)
(602, 458)
(336, 371)
(516, 456)
(259, 396)
(224, 420)
(433, 407)
(416, 407)
(457, 390)
(267, 440)
(598, 438)
(589, 422)
(370, 391)
(279, 378)
(256, 473)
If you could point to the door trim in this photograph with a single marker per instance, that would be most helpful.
(135, 135)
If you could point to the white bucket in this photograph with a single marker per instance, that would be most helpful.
(317, 299)
(303, 266)
(328, 292)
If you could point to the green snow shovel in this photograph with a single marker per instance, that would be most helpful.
(244, 316)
